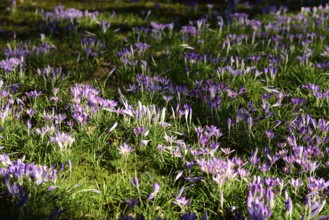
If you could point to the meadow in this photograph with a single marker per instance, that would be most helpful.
(161, 110)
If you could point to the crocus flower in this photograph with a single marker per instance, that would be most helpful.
(269, 134)
(131, 218)
(181, 200)
(33, 94)
(59, 13)
(5, 160)
(189, 216)
(180, 173)
(254, 160)
(288, 204)
(55, 212)
(31, 112)
(62, 140)
(156, 188)
(51, 188)
(143, 143)
(9, 65)
(125, 149)
(40, 174)
(132, 202)
(194, 179)
(134, 182)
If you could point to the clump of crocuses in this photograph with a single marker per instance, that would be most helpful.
(18, 176)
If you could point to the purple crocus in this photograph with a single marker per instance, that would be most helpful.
(31, 112)
(51, 188)
(256, 208)
(56, 212)
(9, 65)
(288, 204)
(141, 46)
(41, 174)
(125, 149)
(134, 182)
(59, 13)
(17, 172)
(5, 160)
(269, 134)
(156, 188)
(189, 216)
(132, 202)
(33, 94)
(62, 140)
(181, 200)
(254, 160)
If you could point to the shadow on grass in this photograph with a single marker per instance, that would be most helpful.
(181, 12)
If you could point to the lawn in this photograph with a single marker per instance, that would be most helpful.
(164, 110)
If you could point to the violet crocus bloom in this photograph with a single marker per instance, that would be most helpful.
(59, 13)
(31, 112)
(51, 188)
(55, 212)
(125, 149)
(134, 182)
(143, 143)
(180, 173)
(256, 208)
(28, 124)
(141, 46)
(269, 134)
(62, 140)
(17, 172)
(17, 190)
(5, 160)
(4, 93)
(194, 179)
(254, 160)
(189, 216)
(181, 200)
(105, 26)
(40, 174)
(140, 130)
(156, 188)
(132, 202)
(288, 204)
(9, 65)
(297, 101)
(141, 217)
